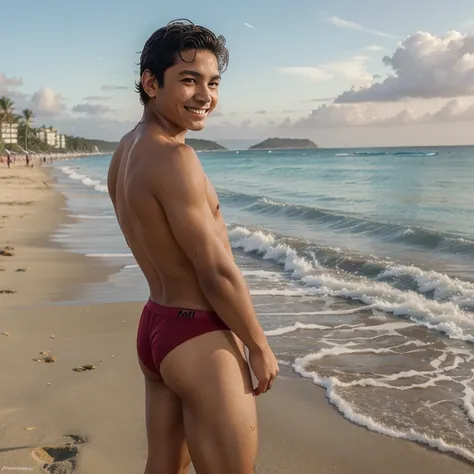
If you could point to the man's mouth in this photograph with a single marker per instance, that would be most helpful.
(197, 111)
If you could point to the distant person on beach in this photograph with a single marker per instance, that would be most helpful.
(199, 317)
(27, 159)
(9, 159)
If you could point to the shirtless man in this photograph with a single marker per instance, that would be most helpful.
(200, 402)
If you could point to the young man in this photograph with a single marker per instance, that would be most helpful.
(199, 397)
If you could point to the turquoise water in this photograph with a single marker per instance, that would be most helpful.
(360, 263)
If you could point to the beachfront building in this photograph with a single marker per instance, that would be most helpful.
(9, 132)
(60, 141)
(47, 135)
(51, 137)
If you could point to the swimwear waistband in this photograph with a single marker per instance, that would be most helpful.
(179, 312)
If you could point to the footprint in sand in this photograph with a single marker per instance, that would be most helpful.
(83, 368)
(7, 251)
(59, 459)
(45, 357)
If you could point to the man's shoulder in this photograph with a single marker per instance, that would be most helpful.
(125, 140)
(166, 155)
(121, 146)
(175, 169)
(166, 148)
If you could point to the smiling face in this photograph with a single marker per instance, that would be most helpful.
(190, 90)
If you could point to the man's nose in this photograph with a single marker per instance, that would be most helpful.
(203, 95)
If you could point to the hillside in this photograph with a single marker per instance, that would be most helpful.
(87, 144)
(282, 143)
(80, 144)
(103, 146)
(204, 145)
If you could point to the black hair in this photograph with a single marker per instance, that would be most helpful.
(168, 43)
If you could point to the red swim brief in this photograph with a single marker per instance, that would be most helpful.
(162, 328)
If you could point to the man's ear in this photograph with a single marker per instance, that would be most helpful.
(149, 83)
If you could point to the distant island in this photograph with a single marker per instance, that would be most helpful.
(204, 145)
(282, 143)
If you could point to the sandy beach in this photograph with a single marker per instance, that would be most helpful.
(92, 421)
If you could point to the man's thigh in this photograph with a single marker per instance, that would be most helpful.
(212, 379)
(167, 449)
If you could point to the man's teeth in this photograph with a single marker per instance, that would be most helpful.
(197, 111)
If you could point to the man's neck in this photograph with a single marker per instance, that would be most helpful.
(167, 128)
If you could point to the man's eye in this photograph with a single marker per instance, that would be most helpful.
(214, 84)
(190, 80)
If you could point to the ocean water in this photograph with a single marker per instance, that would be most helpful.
(361, 266)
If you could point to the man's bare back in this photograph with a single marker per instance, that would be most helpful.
(138, 171)
(200, 402)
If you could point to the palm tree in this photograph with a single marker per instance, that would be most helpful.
(6, 110)
(27, 119)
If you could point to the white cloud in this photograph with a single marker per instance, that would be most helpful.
(6, 82)
(248, 25)
(353, 69)
(95, 98)
(328, 116)
(424, 66)
(350, 25)
(454, 111)
(9, 86)
(91, 109)
(50, 109)
(48, 103)
(371, 115)
(321, 99)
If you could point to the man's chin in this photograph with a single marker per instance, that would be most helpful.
(196, 126)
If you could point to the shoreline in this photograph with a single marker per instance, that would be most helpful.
(40, 271)
(44, 404)
(46, 158)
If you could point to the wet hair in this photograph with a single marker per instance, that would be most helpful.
(167, 44)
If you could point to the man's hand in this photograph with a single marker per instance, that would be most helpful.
(265, 367)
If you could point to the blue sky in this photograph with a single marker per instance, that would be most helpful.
(74, 64)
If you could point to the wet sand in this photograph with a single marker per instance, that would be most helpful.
(96, 417)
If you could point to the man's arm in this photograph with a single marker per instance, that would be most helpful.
(181, 190)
